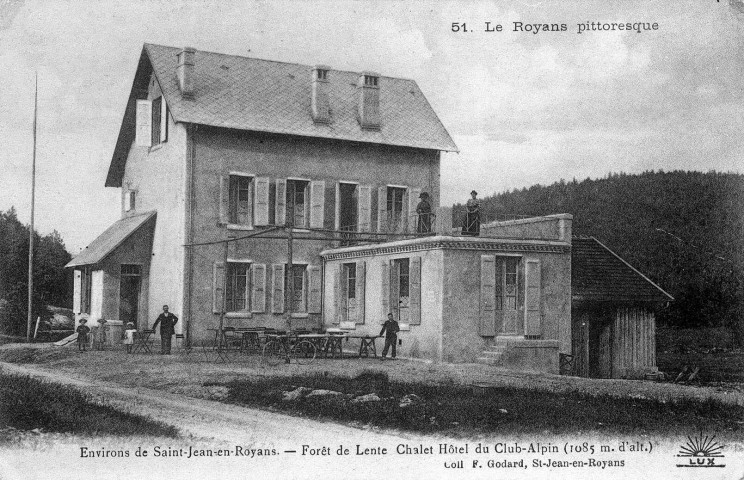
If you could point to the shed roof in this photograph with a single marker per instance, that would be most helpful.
(109, 240)
(267, 96)
(598, 273)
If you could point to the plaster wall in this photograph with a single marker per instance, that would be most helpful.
(157, 174)
(418, 341)
(219, 152)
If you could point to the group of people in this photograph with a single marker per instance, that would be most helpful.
(472, 215)
(166, 320)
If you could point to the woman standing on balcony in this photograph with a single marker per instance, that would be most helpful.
(472, 217)
(423, 209)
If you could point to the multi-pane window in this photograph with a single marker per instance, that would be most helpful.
(507, 284)
(238, 287)
(350, 271)
(395, 196)
(298, 297)
(241, 200)
(297, 203)
(402, 268)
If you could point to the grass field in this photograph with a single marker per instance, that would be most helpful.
(458, 410)
(29, 404)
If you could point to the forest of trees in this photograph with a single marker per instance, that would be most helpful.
(685, 230)
(51, 282)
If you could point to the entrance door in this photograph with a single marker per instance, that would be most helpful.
(507, 300)
(129, 289)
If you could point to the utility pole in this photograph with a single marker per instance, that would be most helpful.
(31, 227)
(290, 275)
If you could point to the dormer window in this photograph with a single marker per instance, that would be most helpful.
(322, 74)
(370, 80)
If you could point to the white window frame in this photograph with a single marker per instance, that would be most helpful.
(337, 222)
(245, 313)
(242, 226)
(307, 201)
(305, 287)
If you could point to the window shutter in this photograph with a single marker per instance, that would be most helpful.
(338, 293)
(218, 273)
(224, 200)
(281, 202)
(261, 198)
(414, 292)
(164, 122)
(143, 132)
(385, 291)
(77, 291)
(359, 287)
(314, 289)
(364, 206)
(382, 209)
(532, 324)
(277, 290)
(487, 296)
(317, 203)
(96, 295)
(258, 287)
(413, 198)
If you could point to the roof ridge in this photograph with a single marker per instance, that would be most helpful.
(278, 61)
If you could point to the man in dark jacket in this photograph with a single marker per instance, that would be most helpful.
(167, 321)
(390, 328)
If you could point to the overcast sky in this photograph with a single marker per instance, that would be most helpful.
(523, 108)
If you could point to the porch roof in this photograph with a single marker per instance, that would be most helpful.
(110, 239)
(599, 274)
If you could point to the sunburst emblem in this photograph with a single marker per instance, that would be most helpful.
(702, 451)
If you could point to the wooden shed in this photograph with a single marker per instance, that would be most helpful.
(613, 326)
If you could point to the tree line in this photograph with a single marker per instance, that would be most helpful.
(52, 283)
(684, 230)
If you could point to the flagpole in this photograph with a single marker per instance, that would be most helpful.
(31, 228)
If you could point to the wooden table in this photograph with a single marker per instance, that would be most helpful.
(142, 341)
(366, 345)
(326, 344)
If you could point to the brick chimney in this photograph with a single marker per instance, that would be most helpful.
(185, 71)
(369, 100)
(320, 104)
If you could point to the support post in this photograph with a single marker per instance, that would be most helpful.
(290, 276)
(221, 334)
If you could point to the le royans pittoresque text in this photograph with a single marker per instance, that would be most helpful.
(536, 28)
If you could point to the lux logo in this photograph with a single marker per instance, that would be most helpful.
(701, 452)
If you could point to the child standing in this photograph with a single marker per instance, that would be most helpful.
(100, 336)
(129, 336)
(82, 330)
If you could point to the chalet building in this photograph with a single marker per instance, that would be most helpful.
(613, 314)
(216, 146)
(218, 150)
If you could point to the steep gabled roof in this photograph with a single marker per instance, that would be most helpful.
(266, 96)
(598, 273)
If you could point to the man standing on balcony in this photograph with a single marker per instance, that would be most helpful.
(472, 216)
(167, 323)
(423, 209)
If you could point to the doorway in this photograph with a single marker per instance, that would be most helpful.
(129, 290)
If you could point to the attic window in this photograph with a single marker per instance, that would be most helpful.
(322, 74)
(370, 80)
